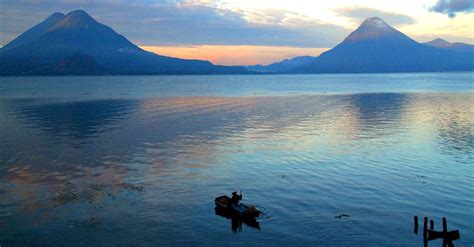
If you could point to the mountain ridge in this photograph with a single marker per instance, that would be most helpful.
(455, 46)
(35, 31)
(376, 47)
(63, 43)
(42, 48)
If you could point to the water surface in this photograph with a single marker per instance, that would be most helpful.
(139, 160)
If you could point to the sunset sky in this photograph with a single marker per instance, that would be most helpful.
(244, 32)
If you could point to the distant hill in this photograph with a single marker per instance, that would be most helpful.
(456, 46)
(376, 47)
(285, 65)
(63, 43)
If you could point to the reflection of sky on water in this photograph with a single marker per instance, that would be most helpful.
(191, 129)
(378, 113)
(452, 122)
(203, 146)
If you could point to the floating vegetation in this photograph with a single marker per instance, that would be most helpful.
(421, 178)
(88, 224)
(286, 178)
(91, 193)
(67, 195)
(94, 222)
(97, 187)
(131, 186)
(339, 216)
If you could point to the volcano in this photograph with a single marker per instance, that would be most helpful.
(376, 47)
(60, 38)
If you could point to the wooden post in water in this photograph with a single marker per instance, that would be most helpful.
(447, 241)
(445, 231)
(415, 229)
(425, 233)
(431, 234)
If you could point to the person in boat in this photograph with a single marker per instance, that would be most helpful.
(235, 198)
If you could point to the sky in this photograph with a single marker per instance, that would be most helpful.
(247, 32)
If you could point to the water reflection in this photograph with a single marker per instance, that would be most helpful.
(378, 114)
(455, 125)
(75, 120)
(306, 157)
(236, 221)
(452, 119)
(193, 130)
(107, 134)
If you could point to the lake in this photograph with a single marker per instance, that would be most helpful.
(331, 160)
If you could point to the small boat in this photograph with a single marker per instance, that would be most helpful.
(240, 209)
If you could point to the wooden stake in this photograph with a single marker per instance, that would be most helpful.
(425, 240)
(445, 232)
(415, 229)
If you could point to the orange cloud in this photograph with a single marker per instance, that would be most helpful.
(235, 54)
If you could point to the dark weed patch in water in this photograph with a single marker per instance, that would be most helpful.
(92, 193)
(129, 186)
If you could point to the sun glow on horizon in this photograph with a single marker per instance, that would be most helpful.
(235, 55)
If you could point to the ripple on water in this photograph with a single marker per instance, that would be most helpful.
(150, 168)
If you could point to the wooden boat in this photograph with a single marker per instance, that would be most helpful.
(240, 209)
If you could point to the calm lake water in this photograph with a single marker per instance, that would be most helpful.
(137, 160)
